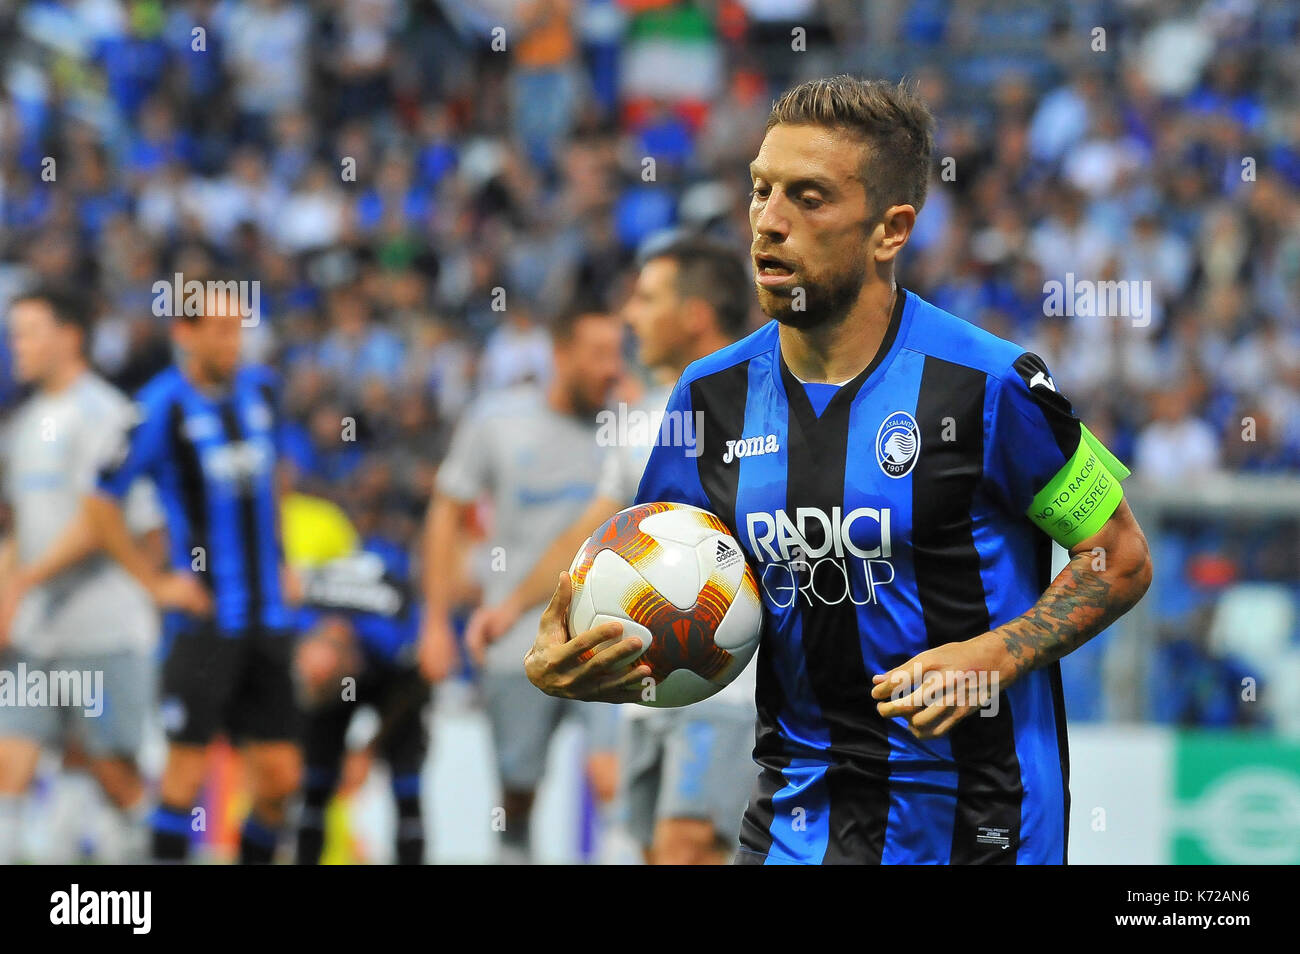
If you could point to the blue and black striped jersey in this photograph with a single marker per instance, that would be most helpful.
(373, 589)
(884, 519)
(213, 460)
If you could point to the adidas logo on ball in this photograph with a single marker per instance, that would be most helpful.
(727, 555)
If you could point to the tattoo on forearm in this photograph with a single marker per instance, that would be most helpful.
(1079, 604)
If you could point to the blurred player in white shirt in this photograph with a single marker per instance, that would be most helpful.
(532, 452)
(92, 617)
(684, 774)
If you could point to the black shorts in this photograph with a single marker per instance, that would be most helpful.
(240, 684)
(399, 695)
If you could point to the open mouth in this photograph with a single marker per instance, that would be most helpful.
(771, 265)
(771, 270)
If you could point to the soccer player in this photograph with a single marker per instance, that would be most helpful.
(534, 454)
(897, 477)
(360, 620)
(207, 435)
(683, 773)
(91, 617)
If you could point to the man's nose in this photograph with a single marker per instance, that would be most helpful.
(771, 222)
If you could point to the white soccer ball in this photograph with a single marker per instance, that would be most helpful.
(677, 579)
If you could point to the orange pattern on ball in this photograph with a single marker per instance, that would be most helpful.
(677, 636)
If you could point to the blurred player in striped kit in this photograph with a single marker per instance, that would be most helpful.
(360, 622)
(206, 432)
(684, 773)
(90, 617)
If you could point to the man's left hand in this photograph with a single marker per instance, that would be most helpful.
(936, 689)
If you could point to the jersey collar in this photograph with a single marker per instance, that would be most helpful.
(868, 376)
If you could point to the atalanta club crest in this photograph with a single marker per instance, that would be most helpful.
(898, 443)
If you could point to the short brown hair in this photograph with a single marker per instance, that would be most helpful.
(70, 307)
(67, 304)
(893, 121)
(710, 270)
(564, 326)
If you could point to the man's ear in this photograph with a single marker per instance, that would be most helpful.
(75, 340)
(696, 314)
(895, 228)
(561, 353)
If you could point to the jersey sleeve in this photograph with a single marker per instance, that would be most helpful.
(672, 472)
(1042, 462)
(465, 473)
(268, 385)
(102, 439)
(138, 452)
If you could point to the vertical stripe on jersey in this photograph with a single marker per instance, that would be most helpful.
(856, 784)
(782, 801)
(274, 614)
(722, 400)
(246, 495)
(1044, 556)
(194, 495)
(922, 775)
(1063, 748)
(951, 591)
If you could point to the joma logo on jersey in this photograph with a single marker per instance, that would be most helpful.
(837, 534)
(750, 447)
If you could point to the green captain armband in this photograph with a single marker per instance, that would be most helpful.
(1083, 495)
